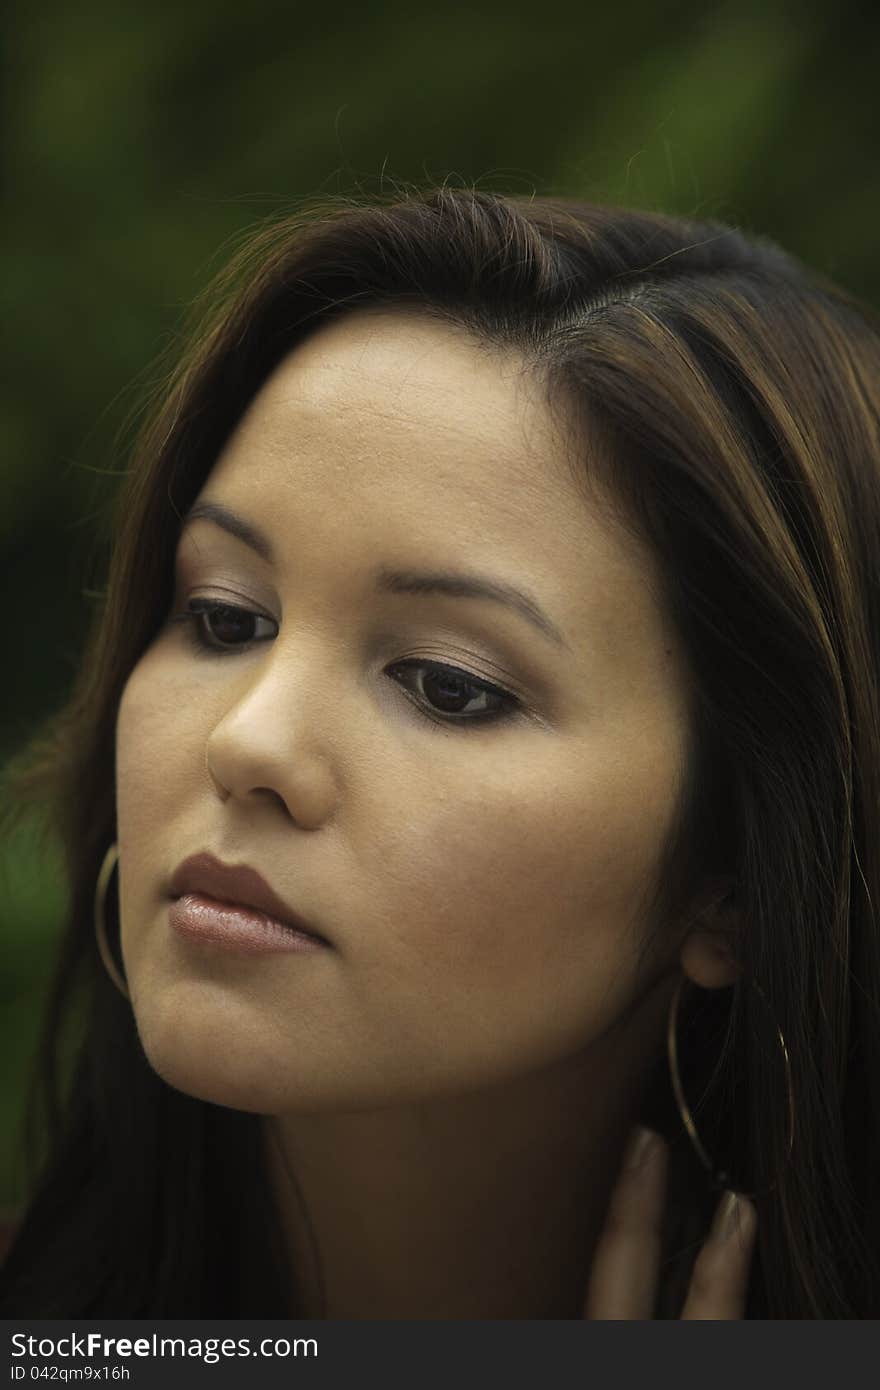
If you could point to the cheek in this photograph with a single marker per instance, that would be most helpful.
(153, 727)
(518, 883)
(136, 729)
(502, 931)
(155, 765)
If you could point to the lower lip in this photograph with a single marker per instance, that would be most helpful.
(237, 929)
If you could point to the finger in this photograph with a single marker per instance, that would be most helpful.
(720, 1276)
(623, 1275)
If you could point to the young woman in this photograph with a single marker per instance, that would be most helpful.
(477, 755)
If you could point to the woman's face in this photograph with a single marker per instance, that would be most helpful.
(478, 879)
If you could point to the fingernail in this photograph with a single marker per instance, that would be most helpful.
(642, 1144)
(727, 1217)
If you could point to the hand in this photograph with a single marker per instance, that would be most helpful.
(623, 1276)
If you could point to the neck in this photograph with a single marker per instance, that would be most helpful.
(485, 1205)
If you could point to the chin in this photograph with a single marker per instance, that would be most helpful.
(230, 1087)
(193, 1055)
(198, 1054)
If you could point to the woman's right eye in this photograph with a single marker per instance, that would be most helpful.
(214, 627)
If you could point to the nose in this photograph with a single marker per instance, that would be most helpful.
(272, 739)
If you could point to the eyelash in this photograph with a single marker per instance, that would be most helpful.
(197, 612)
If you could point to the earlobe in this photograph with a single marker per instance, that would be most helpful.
(707, 957)
(707, 952)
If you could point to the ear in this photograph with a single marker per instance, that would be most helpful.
(707, 952)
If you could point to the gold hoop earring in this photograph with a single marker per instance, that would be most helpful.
(107, 867)
(720, 1177)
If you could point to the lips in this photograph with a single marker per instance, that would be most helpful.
(239, 885)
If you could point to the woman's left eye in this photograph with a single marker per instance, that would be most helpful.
(213, 627)
(441, 690)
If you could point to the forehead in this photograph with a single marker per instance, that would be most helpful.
(402, 380)
(396, 436)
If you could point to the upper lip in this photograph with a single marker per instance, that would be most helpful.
(238, 884)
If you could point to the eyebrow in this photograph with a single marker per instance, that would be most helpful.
(454, 583)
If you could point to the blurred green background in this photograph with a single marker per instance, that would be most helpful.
(140, 140)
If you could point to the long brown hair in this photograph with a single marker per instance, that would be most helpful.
(736, 398)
